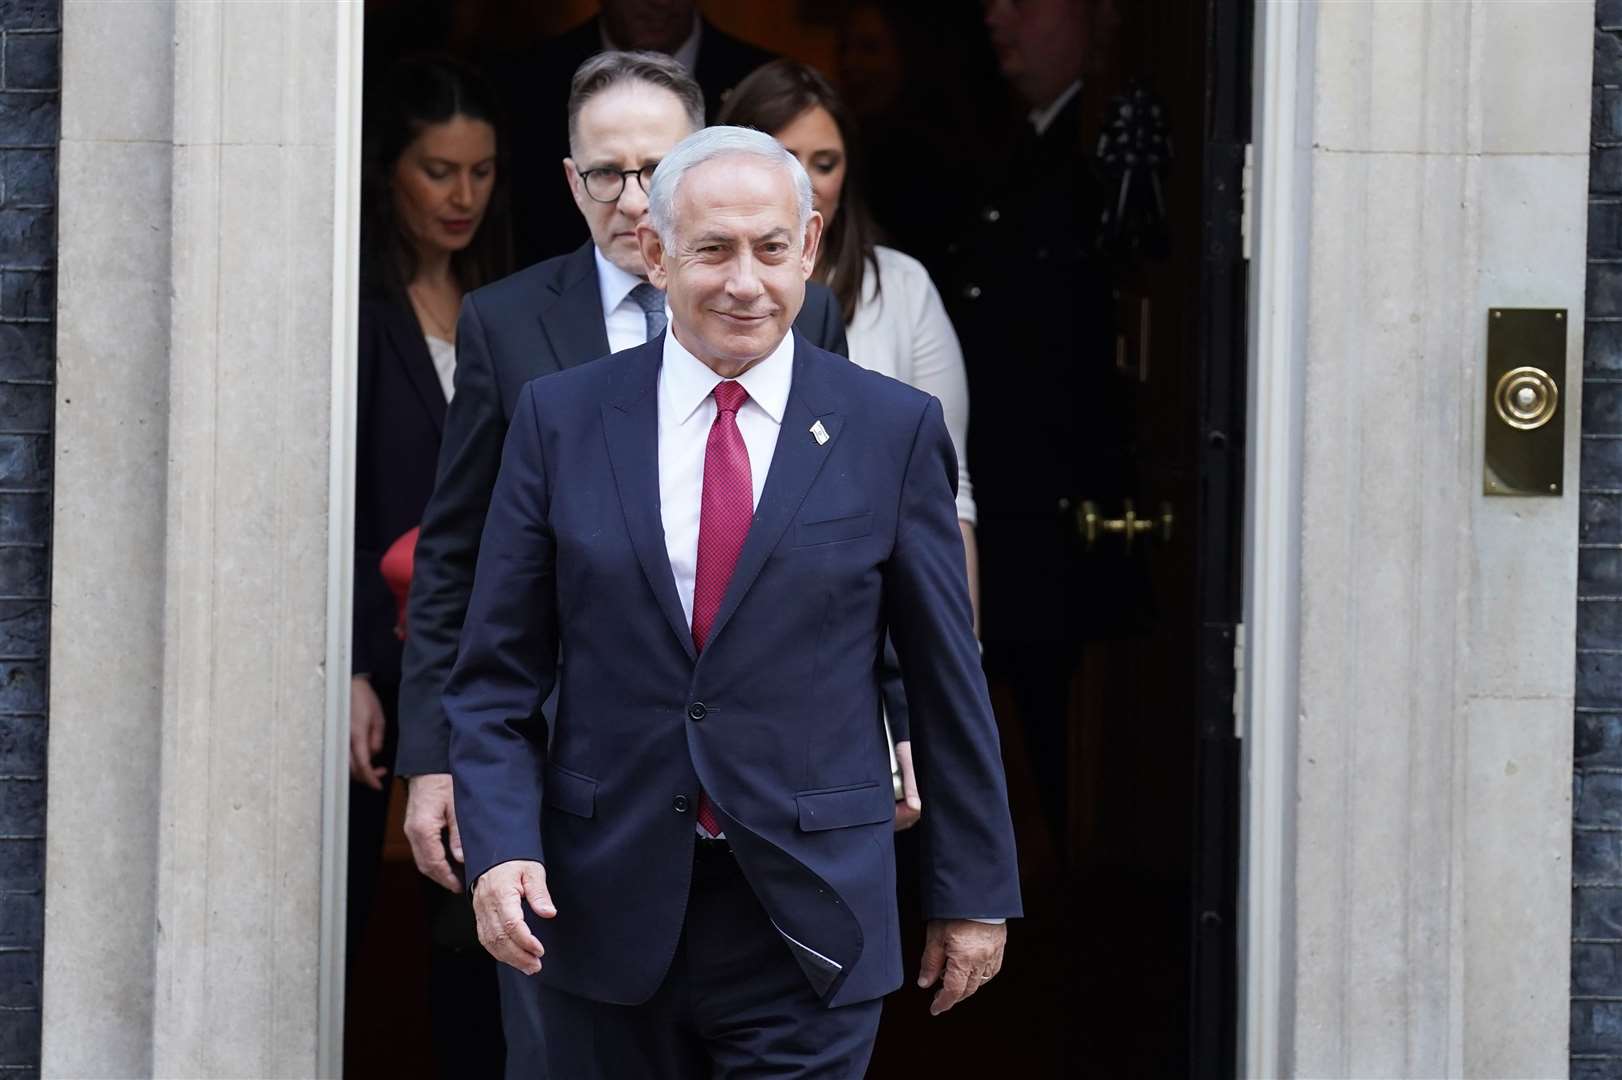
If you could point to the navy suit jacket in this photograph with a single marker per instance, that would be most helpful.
(777, 719)
(536, 322)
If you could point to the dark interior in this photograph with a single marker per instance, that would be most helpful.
(1124, 963)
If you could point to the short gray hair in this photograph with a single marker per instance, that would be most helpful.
(611, 68)
(708, 144)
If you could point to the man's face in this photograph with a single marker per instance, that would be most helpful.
(660, 25)
(628, 126)
(735, 271)
(1041, 45)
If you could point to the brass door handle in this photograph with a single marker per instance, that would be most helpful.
(1129, 526)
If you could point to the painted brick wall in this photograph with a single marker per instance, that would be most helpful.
(30, 100)
(1596, 948)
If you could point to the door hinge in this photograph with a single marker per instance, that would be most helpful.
(1245, 216)
(1238, 680)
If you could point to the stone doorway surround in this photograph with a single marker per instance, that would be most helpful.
(1409, 641)
(200, 643)
(1409, 688)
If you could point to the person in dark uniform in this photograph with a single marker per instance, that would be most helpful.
(545, 223)
(1030, 297)
(435, 226)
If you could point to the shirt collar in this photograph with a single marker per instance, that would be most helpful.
(686, 53)
(613, 284)
(688, 380)
(1043, 118)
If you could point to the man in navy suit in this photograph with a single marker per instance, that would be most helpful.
(626, 112)
(717, 529)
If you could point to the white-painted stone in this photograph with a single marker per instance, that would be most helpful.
(116, 83)
(1389, 76)
(1516, 970)
(1532, 81)
(222, 274)
(107, 608)
(1431, 912)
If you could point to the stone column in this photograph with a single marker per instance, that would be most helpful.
(190, 678)
(1431, 887)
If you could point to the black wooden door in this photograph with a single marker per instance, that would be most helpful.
(1153, 834)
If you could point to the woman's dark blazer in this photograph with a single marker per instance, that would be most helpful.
(400, 417)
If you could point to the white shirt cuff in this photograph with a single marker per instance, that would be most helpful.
(990, 922)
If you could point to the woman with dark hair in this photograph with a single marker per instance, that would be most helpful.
(894, 319)
(434, 226)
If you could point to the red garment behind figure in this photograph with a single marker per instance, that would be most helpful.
(396, 569)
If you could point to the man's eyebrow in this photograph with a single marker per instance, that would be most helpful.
(647, 163)
(713, 238)
(779, 233)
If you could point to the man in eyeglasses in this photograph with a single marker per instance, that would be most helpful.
(626, 111)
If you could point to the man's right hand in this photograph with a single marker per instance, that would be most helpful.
(430, 811)
(498, 905)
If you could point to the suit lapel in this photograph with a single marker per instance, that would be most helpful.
(572, 316)
(796, 461)
(631, 425)
(411, 350)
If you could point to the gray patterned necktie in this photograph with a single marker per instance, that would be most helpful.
(652, 303)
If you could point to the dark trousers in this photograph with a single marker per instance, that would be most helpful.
(734, 1005)
(475, 1031)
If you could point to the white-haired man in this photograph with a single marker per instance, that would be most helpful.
(704, 836)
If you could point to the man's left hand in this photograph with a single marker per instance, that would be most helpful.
(963, 955)
(909, 808)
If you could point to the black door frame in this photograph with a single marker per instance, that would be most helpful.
(1224, 278)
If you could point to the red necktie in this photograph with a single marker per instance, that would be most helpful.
(723, 523)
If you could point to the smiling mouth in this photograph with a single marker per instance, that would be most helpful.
(735, 317)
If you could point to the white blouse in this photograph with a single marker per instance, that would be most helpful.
(901, 330)
(443, 354)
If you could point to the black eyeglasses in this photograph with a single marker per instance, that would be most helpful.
(606, 185)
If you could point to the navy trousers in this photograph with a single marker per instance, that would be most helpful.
(734, 1005)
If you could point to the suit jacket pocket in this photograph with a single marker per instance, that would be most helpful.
(810, 533)
(571, 792)
(842, 807)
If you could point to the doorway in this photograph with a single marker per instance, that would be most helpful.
(1126, 962)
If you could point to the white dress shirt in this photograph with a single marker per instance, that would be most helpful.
(901, 330)
(686, 411)
(625, 322)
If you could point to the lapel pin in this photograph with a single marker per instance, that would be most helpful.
(819, 433)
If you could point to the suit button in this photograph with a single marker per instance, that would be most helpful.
(992, 214)
(697, 711)
(679, 804)
(972, 292)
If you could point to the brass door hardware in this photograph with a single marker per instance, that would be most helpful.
(1129, 526)
(1526, 398)
(1525, 444)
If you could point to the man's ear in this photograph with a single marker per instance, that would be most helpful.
(571, 176)
(653, 253)
(813, 240)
